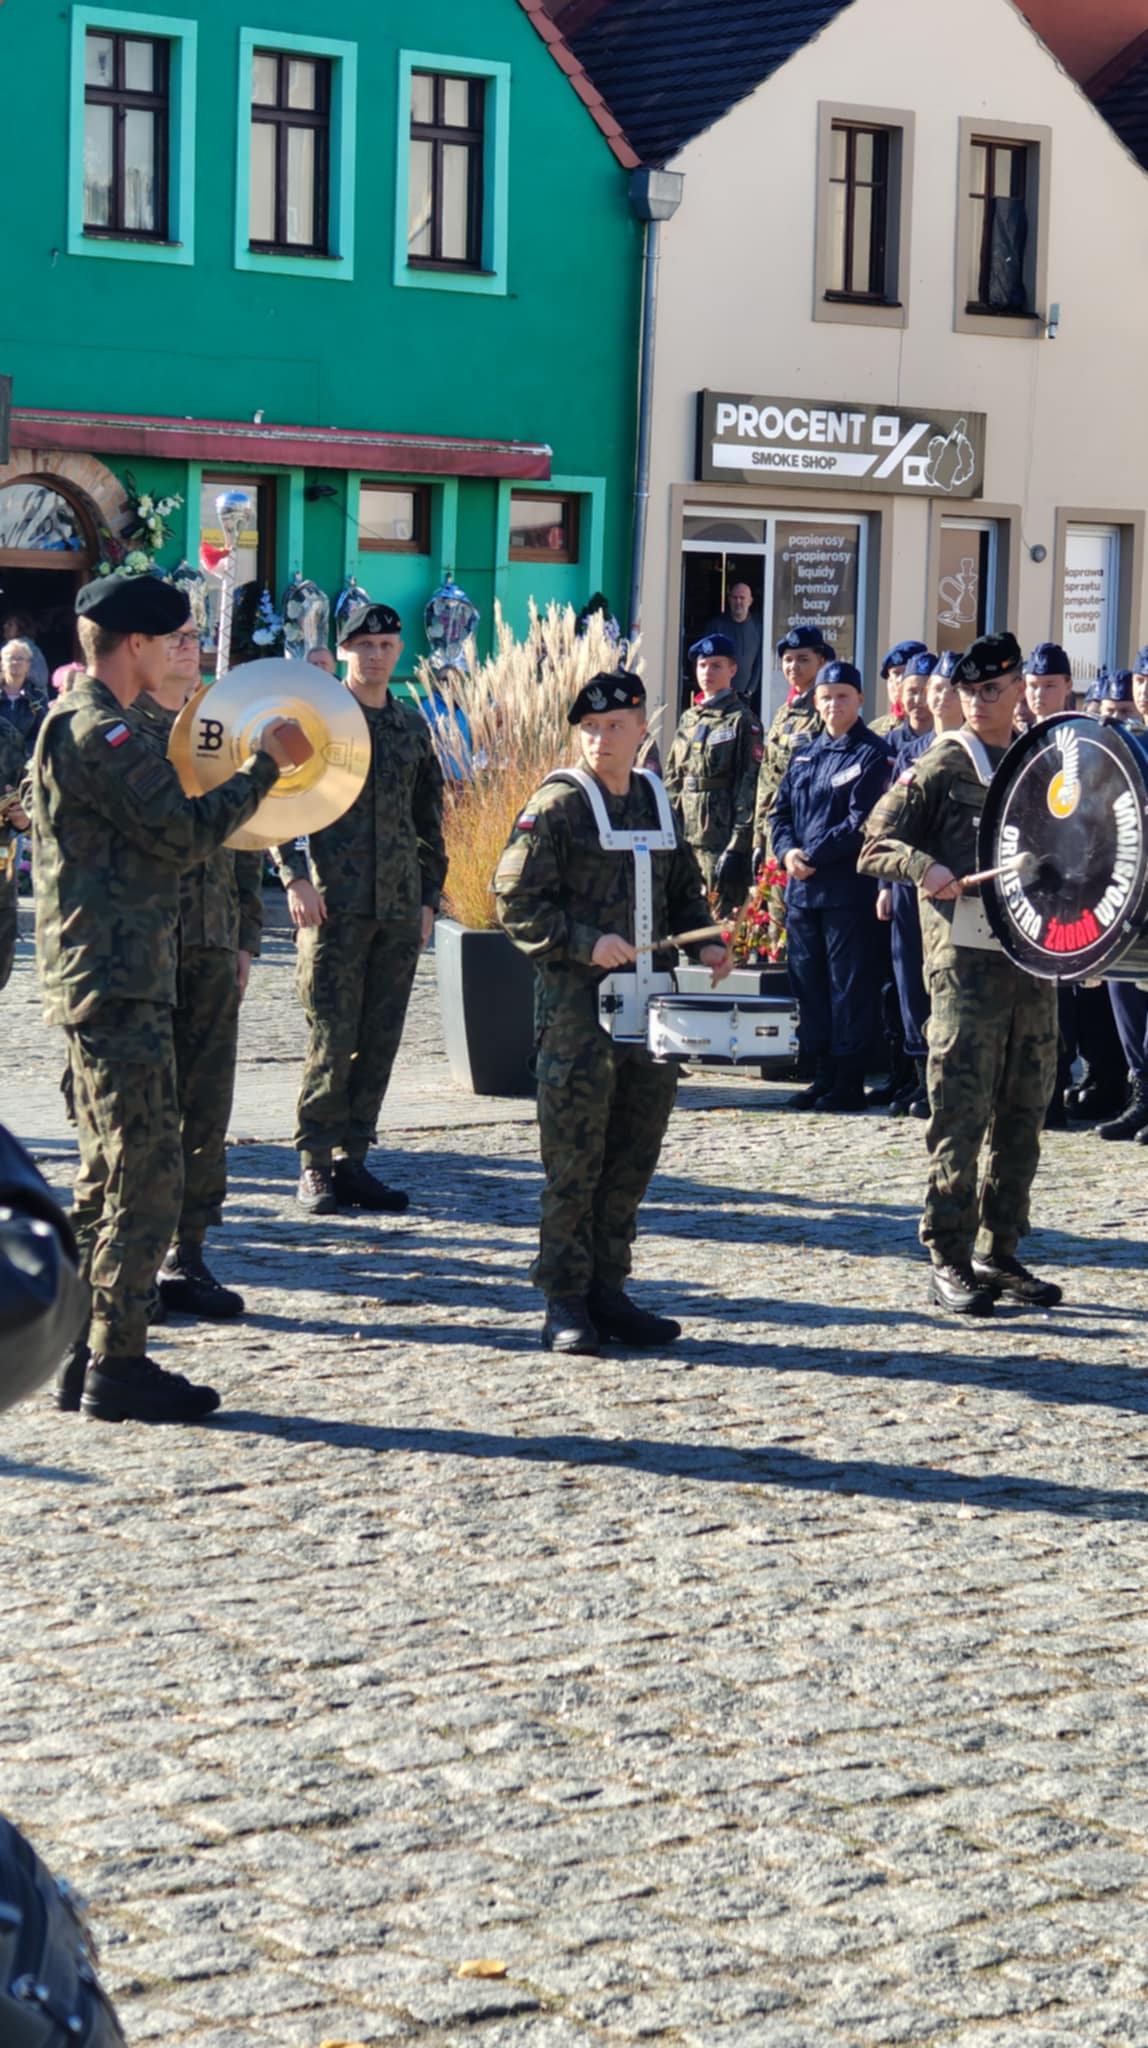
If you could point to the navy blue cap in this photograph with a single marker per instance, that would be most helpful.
(805, 636)
(370, 618)
(947, 665)
(921, 664)
(1140, 665)
(1095, 691)
(900, 654)
(617, 692)
(842, 672)
(1117, 688)
(1047, 659)
(133, 604)
(713, 643)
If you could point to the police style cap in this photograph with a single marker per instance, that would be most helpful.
(133, 604)
(993, 655)
(947, 665)
(1095, 692)
(805, 636)
(842, 672)
(1140, 665)
(900, 654)
(1118, 687)
(617, 692)
(921, 664)
(713, 643)
(370, 618)
(1048, 659)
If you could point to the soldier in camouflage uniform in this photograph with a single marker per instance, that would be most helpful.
(711, 774)
(992, 1028)
(111, 830)
(802, 653)
(220, 931)
(13, 821)
(363, 904)
(568, 903)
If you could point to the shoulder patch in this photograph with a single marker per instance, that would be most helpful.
(526, 822)
(907, 775)
(117, 734)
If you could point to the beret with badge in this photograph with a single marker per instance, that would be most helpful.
(992, 656)
(370, 618)
(133, 604)
(799, 637)
(1140, 665)
(841, 672)
(619, 691)
(900, 654)
(921, 664)
(713, 643)
(1118, 687)
(1047, 659)
(947, 665)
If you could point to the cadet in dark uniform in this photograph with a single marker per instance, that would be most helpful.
(569, 903)
(711, 774)
(817, 826)
(363, 899)
(220, 931)
(897, 901)
(892, 671)
(13, 821)
(992, 1028)
(111, 830)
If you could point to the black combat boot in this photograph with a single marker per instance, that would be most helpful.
(847, 1095)
(1004, 1274)
(919, 1106)
(316, 1191)
(69, 1388)
(138, 1390)
(614, 1315)
(357, 1188)
(1134, 1118)
(187, 1287)
(822, 1082)
(568, 1326)
(955, 1286)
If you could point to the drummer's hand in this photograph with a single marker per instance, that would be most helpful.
(797, 866)
(940, 881)
(286, 742)
(719, 960)
(613, 951)
(884, 905)
(305, 904)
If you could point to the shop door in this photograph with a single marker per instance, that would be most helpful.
(965, 600)
(721, 551)
(1091, 599)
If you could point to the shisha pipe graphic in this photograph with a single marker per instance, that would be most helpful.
(233, 510)
(959, 595)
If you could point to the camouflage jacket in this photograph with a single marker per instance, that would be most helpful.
(111, 831)
(220, 898)
(384, 858)
(558, 891)
(887, 724)
(794, 724)
(711, 774)
(12, 774)
(931, 813)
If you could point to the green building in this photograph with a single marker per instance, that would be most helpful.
(386, 279)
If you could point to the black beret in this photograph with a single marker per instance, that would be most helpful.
(618, 692)
(713, 643)
(133, 604)
(370, 618)
(805, 636)
(993, 655)
(1047, 659)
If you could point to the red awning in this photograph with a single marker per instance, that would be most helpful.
(219, 442)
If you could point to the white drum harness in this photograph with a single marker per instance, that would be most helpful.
(631, 992)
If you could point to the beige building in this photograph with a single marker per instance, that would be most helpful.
(900, 340)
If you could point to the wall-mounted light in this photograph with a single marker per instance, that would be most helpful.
(1039, 553)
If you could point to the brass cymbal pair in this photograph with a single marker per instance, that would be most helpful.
(220, 727)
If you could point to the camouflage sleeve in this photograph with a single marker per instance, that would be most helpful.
(899, 830)
(530, 894)
(291, 862)
(249, 883)
(750, 752)
(426, 809)
(675, 767)
(768, 783)
(110, 766)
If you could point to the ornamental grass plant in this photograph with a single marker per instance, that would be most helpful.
(504, 731)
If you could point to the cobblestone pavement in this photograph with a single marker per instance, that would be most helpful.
(783, 1691)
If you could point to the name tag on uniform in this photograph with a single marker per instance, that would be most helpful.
(722, 734)
(847, 775)
(970, 926)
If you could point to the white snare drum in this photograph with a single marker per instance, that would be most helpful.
(722, 1030)
(623, 1004)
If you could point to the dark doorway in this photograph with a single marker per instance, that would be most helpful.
(43, 600)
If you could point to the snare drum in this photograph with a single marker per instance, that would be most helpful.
(722, 1030)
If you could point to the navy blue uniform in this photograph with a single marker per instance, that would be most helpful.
(908, 956)
(826, 795)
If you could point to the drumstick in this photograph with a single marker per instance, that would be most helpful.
(1020, 867)
(709, 931)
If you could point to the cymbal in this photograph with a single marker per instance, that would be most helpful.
(220, 726)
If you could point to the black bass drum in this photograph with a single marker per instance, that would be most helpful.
(1071, 794)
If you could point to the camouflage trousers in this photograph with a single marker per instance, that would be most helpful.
(602, 1115)
(354, 978)
(992, 1064)
(8, 928)
(205, 1025)
(127, 1196)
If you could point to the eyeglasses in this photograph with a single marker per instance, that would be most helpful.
(987, 692)
(183, 639)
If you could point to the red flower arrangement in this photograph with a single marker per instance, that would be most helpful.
(757, 938)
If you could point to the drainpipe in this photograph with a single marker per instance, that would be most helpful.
(655, 196)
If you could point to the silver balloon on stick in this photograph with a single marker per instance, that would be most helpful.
(233, 511)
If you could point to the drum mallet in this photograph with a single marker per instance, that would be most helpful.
(1020, 867)
(709, 931)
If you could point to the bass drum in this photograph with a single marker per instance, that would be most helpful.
(1073, 795)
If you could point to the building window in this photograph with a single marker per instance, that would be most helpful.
(255, 563)
(543, 529)
(394, 520)
(444, 199)
(865, 177)
(290, 152)
(126, 115)
(998, 240)
(859, 198)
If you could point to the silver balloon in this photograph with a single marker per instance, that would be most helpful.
(450, 619)
(351, 596)
(306, 617)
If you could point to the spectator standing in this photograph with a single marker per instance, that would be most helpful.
(739, 625)
(18, 705)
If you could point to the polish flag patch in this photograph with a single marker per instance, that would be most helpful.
(117, 734)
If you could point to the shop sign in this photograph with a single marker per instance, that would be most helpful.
(5, 419)
(815, 581)
(748, 440)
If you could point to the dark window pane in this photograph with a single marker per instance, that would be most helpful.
(422, 97)
(455, 208)
(421, 201)
(97, 167)
(456, 102)
(139, 66)
(139, 170)
(262, 213)
(300, 223)
(99, 60)
(265, 79)
(301, 85)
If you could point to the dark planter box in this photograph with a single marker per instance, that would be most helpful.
(486, 995)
